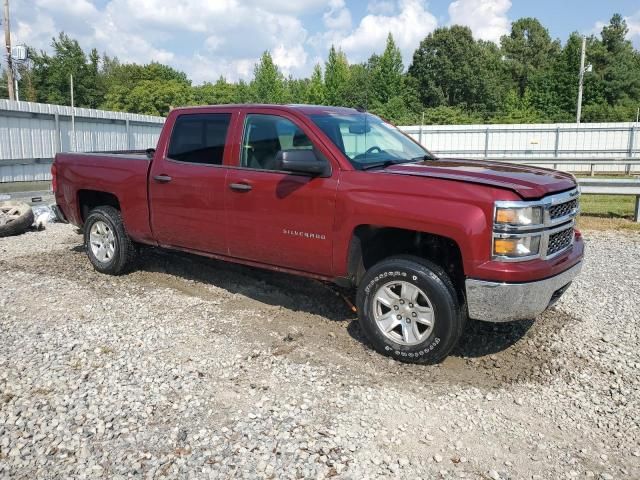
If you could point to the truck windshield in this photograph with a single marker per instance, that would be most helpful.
(369, 142)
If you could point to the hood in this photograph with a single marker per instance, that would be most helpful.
(528, 182)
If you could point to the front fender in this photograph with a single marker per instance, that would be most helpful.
(458, 211)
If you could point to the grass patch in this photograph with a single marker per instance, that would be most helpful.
(586, 222)
(24, 186)
(613, 206)
(608, 212)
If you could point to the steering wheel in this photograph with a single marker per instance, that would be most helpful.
(375, 147)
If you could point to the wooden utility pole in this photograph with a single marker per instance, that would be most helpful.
(7, 42)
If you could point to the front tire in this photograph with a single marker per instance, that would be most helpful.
(409, 310)
(106, 242)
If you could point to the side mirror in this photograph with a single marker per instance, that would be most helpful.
(300, 161)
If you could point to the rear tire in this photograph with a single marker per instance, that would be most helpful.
(409, 310)
(109, 248)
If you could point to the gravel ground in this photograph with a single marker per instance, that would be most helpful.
(190, 368)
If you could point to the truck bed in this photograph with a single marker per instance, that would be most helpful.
(121, 174)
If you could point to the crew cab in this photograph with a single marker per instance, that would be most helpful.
(340, 195)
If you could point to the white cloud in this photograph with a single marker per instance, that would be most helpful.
(338, 17)
(213, 42)
(199, 36)
(289, 58)
(409, 26)
(381, 7)
(633, 22)
(487, 18)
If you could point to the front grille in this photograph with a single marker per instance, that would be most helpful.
(562, 210)
(559, 241)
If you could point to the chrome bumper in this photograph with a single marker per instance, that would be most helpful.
(503, 302)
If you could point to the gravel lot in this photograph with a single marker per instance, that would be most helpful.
(191, 368)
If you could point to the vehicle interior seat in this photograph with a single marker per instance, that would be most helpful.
(264, 145)
(300, 140)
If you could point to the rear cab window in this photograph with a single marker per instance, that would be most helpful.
(199, 138)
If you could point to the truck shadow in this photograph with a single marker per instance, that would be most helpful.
(484, 338)
(310, 296)
(271, 288)
(479, 339)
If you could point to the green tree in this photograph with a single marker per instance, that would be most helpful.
(452, 69)
(356, 92)
(295, 90)
(527, 49)
(517, 109)
(51, 74)
(219, 93)
(125, 84)
(268, 82)
(316, 92)
(444, 115)
(617, 64)
(386, 74)
(153, 97)
(336, 77)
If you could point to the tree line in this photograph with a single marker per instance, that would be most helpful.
(452, 79)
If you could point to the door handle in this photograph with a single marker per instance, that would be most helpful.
(240, 187)
(162, 178)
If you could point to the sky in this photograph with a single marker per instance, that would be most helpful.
(210, 38)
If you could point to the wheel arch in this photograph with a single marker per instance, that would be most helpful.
(370, 244)
(90, 199)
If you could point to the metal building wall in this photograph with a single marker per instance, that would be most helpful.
(32, 133)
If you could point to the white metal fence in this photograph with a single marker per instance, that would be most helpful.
(562, 141)
(32, 133)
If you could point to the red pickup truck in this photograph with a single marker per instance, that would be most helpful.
(339, 195)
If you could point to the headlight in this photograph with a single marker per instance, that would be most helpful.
(516, 247)
(521, 216)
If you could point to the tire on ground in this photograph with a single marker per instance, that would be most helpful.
(125, 251)
(15, 218)
(449, 317)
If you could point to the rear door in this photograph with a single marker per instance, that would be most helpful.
(187, 182)
(273, 216)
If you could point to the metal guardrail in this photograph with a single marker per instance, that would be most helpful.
(612, 186)
(555, 163)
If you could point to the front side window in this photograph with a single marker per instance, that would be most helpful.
(199, 138)
(366, 140)
(266, 135)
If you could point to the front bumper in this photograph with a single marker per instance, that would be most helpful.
(504, 302)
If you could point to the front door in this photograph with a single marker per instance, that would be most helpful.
(187, 183)
(278, 217)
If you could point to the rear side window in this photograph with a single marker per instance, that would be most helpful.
(199, 138)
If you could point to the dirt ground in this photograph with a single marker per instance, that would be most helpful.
(533, 399)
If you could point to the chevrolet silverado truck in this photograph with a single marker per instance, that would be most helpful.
(339, 195)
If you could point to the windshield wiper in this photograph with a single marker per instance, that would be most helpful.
(385, 164)
(426, 156)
